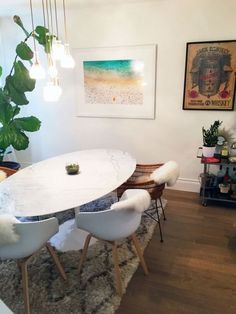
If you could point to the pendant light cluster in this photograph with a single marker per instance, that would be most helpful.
(59, 52)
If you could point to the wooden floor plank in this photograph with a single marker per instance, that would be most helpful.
(194, 270)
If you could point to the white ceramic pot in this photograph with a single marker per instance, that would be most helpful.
(208, 151)
(224, 188)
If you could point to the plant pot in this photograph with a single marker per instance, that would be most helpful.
(224, 188)
(10, 164)
(208, 151)
(72, 168)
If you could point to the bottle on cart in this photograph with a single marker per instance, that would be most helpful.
(220, 174)
(225, 185)
(225, 151)
(226, 178)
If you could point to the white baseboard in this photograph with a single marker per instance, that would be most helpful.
(184, 184)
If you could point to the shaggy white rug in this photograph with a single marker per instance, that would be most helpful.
(91, 292)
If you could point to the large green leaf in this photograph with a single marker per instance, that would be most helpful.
(24, 51)
(19, 141)
(6, 137)
(16, 96)
(29, 124)
(21, 79)
(16, 110)
(6, 109)
(43, 38)
(9, 135)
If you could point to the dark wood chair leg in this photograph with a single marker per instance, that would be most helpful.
(159, 224)
(162, 208)
(158, 221)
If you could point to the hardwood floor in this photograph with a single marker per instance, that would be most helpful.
(194, 270)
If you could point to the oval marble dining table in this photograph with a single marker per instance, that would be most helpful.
(45, 187)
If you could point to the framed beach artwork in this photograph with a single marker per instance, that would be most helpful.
(210, 75)
(116, 82)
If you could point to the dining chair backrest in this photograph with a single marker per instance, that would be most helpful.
(120, 221)
(32, 236)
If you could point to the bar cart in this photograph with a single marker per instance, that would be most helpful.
(213, 187)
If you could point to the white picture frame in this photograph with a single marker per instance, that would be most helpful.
(116, 82)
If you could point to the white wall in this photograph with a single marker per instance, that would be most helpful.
(174, 134)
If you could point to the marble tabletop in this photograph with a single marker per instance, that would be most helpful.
(46, 188)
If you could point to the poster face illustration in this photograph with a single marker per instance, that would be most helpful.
(210, 75)
(114, 82)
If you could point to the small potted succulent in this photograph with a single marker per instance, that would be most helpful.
(72, 168)
(210, 138)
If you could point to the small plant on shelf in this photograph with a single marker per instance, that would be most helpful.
(210, 136)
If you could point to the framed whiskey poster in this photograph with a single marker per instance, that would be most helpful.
(210, 75)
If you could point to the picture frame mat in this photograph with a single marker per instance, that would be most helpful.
(146, 53)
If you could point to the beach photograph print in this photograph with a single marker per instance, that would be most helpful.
(114, 82)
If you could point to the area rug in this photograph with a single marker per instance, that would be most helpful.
(91, 292)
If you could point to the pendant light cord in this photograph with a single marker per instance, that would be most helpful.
(55, 8)
(64, 12)
(44, 18)
(50, 9)
(32, 21)
(48, 21)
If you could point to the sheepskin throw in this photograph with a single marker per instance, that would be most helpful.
(139, 202)
(167, 173)
(7, 232)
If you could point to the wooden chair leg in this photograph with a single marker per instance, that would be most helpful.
(139, 253)
(56, 260)
(24, 273)
(84, 252)
(117, 269)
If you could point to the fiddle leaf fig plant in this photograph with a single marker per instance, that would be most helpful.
(13, 127)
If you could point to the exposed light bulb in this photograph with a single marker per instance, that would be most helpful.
(67, 60)
(36, 71)
(57, 49)
(52, 91)
(52, 70)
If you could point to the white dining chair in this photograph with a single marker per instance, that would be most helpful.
(31, 237)
(118, 222)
